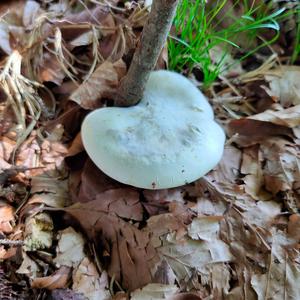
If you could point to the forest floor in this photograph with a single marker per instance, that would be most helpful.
(67, 231)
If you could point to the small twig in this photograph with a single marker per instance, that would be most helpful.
(11, 243)
(153, 38)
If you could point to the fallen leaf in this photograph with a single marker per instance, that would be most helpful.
(70, 248)
(252, 169)
(85, 39)
(29, 267)
(59, 279)
(94, 182)
(49, 199)
(49, 69)
(282, 168)
(289, 117)
(284, 85)
(30, 12)
(293, 226)
(7, 217)
(204, 228)
(126, 249)
(155, 291)
(76, 146)
(87, 281)
(186, 257)
(101, 83)
(66, 294)
(121, 202)
(248, 132)
(4, 38)
(282, 277)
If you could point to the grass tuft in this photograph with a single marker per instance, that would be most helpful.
(198, 31)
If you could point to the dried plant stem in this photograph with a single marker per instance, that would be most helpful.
(153, 38)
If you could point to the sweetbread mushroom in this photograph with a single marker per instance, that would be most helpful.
(168, 139)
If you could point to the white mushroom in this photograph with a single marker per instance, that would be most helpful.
(169, 139)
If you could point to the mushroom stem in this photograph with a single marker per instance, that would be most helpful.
(153, 38)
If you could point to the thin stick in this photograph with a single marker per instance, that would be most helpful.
(11, 242)
(153, 38)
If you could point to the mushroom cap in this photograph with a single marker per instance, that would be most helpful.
(168, 139)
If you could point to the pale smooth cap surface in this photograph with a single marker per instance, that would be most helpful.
(169, 139)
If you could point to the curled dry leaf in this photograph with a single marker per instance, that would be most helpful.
(87, 281)
(70, 248)
(101, 84)
(58, 280)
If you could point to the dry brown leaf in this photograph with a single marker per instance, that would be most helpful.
(31, 12)
(94, 182)
(86, 281)
(49, 199)
(6, 147)
(102, 83)
(289, 117)
(29, 267)
(6, 217)
(66, 294)
(282, 277)
(126, 248)
(121, 202)
(4, 39)
(284, 85)
(282, 168)
(49, 69)
(70, 248)
(155, 291)
(76, 146)
(84, 39)
(294, 226)
(252, 169)
(58, 280)
(187, 258)
(160, 201)
(204, 228)
(248, 132)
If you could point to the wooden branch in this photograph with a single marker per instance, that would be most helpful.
(152, 40)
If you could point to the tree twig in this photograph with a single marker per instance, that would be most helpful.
(11, 242)
(152, 40)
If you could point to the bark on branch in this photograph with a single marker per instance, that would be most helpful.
(152, 40)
